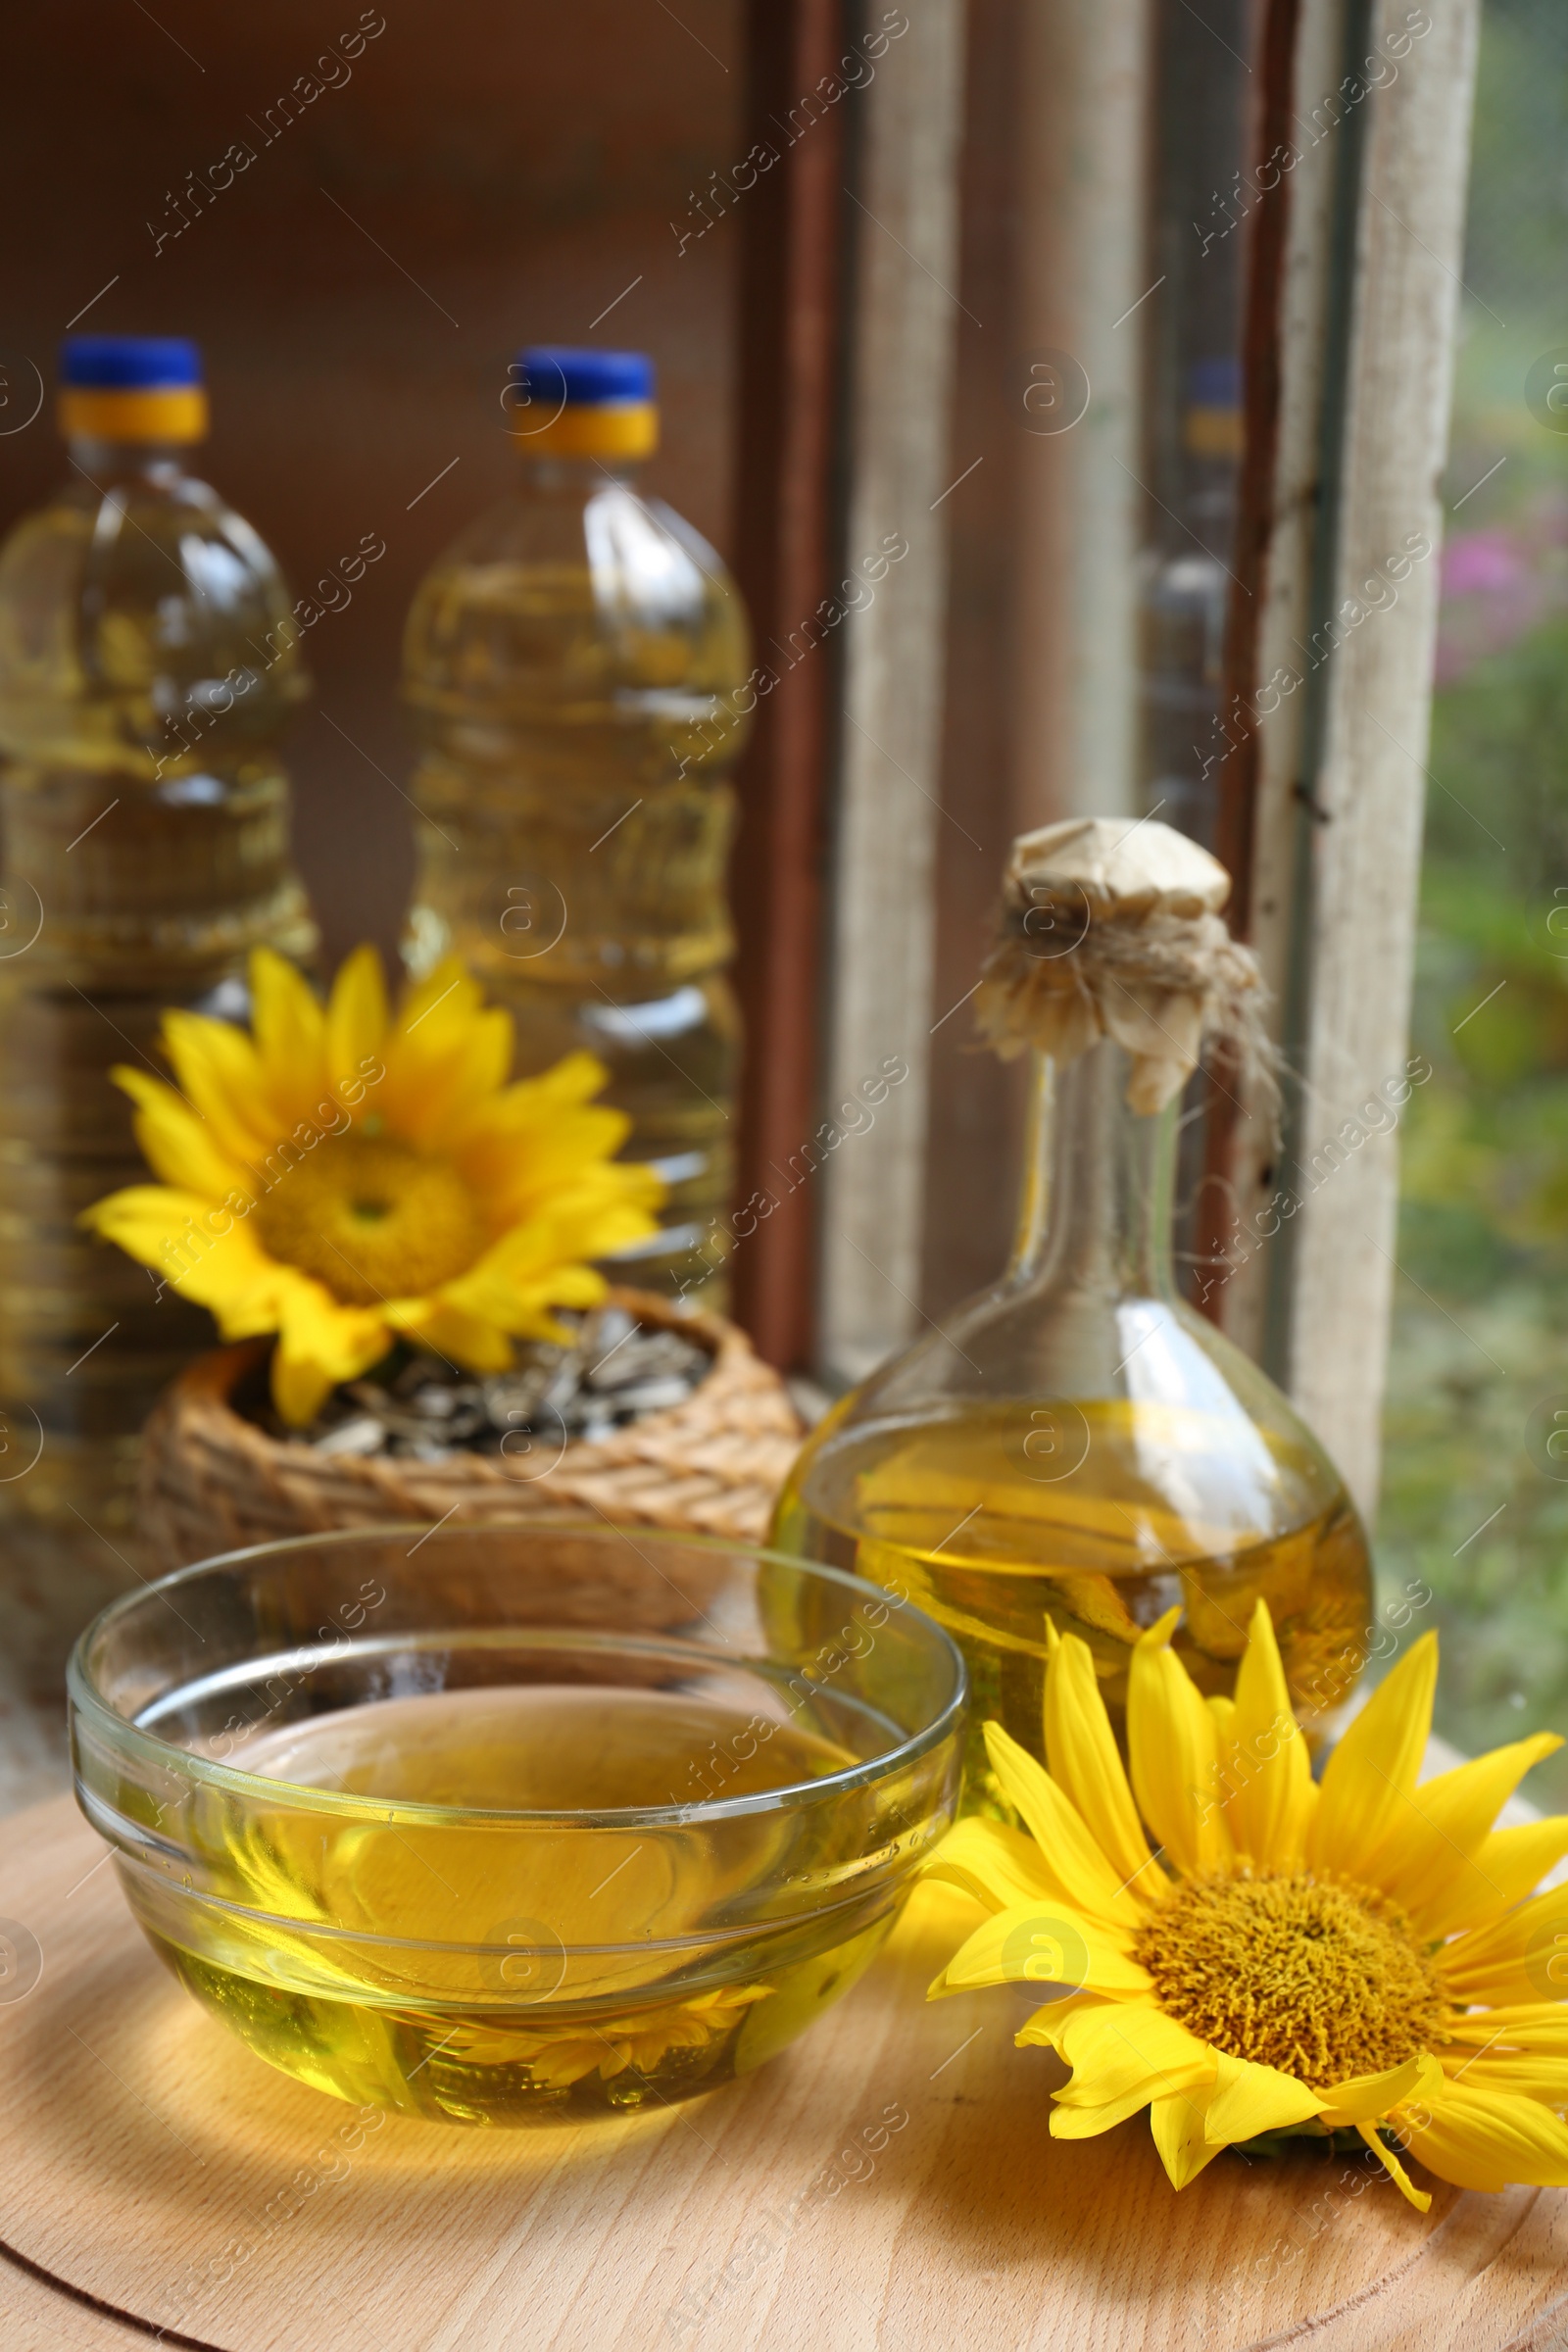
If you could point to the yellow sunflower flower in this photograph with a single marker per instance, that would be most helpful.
(1251, 1952)
(343, 1176)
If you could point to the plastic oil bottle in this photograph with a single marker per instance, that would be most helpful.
(1074, 1442)
(576, 669)
(147, 669)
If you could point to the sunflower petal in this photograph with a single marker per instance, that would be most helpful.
(319, 1342)
(1420, 2198)
(447, 1056)
(574, 1078)
(1043, 1943)
(1484, 2139)
(159, 1227)
(1510, 1864)
(997, 1865)
(1082, 1753)
(1369, 1780)
(242, 1288)
(1184, 2145)
(355, 1017)
(478, 1343)
(520, 1275)
(176, 1144)
(1522, 2026)
(1250, 2098)
(1087, 2123)
(1173, 1748)
(1080, 1873)
(220, 1075)
(1273, 1792)
(1130, 2049)
(1431, 1851)
(1525, 2072)
(1363, 2098)
(1523, 1956)
(1048, 2026)
(291, 1033)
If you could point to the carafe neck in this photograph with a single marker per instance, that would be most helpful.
(1098, 1182)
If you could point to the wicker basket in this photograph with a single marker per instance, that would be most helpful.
(213, 1481)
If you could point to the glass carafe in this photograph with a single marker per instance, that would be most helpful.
(1076, 1444)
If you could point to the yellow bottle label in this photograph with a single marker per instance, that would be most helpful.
(622, 428)
(177, 412)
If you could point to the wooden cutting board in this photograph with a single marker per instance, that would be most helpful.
(889, 2183)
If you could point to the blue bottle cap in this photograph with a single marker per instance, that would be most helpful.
(1214, 383)
(554, 373)
(129, 364)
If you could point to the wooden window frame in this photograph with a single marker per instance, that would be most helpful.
(851, 298)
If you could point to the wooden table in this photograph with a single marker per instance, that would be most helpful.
(889, 2183)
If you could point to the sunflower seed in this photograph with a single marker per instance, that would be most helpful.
(511, 1399)
(563, 1388)
(364, 1435)
(422, 1408)
(652, 1396)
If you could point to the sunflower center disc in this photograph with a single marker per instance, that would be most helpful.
(1317, 1977)
(373, 1220)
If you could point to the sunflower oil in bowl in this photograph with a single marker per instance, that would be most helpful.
(148, 666)
(446, 1965)
(493, 1823)
(575, 666)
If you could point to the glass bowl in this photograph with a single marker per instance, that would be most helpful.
(495, 1823)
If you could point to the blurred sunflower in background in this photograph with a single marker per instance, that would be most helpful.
(345, 1177)
(1295, 1958)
